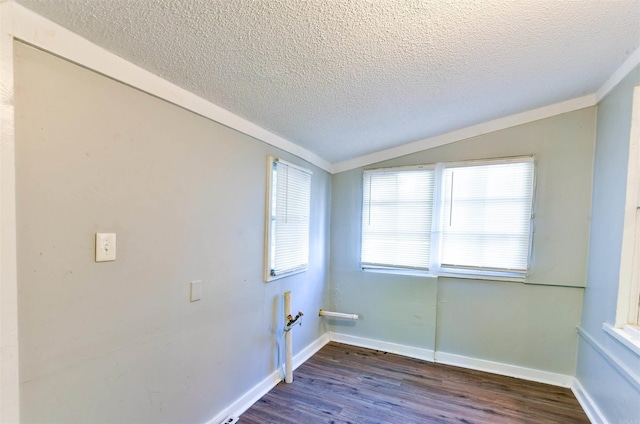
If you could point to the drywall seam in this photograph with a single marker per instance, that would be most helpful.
(259, 390)
(468, 132)
(617, 364)
(588, 405)
(51, 37)
(9, 370)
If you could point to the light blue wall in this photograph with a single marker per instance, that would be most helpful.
(614, 392)
(530, 325)
(120, 342)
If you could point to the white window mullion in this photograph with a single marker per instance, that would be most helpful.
(436, 233)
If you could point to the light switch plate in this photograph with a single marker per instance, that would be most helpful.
(105, 247)
(196, 290)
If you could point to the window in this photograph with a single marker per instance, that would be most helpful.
(486, 216)
(397, 218)
(287, 227)
(469, 218)
(628, 307)
(633, 314)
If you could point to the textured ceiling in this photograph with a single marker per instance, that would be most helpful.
(344, 78)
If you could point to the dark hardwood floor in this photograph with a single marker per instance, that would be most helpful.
(344, 384)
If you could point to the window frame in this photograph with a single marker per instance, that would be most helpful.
(381, 266)
(270, 241)
(627, 320)
(435, 268)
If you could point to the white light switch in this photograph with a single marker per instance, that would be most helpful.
(196, 290)
(105, 247)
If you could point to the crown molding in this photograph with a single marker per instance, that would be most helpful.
(468, 132)
(37, 31)
(627, 66)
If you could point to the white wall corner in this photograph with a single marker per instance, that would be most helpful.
(9, 370)
(627, 66)
(306, 353)
(398, 349)
(586, 402)
(254, 394)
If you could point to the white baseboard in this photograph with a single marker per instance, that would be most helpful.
(245, 401)
(262, 388)
(508, 370)
(404, 350)
(457, 360)
(253, 395)
(310, 350)
(588, 405)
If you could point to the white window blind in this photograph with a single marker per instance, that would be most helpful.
(470, 219)
(486, 216)
(396, 218)
(288, 235)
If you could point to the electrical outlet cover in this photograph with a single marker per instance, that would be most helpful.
(196, 290)
(105, 247)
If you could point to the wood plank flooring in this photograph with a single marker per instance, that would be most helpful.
(344, 384)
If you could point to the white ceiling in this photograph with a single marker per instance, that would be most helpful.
(345, 78)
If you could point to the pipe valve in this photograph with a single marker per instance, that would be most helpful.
(291, 321)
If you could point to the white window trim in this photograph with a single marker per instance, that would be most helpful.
(629, 336)
(628, 311)
(268, 233)
(435, 270)
(470, 275)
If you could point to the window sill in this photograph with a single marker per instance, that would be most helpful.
(286, 274)
(470, 275)
(397, 271)
(629, 336)
(499, 276)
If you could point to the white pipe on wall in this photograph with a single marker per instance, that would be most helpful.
(337, 315)
(288, 369)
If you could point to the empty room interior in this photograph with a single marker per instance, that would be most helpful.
(199, 197)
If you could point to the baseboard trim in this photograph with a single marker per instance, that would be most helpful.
(310, 350)
(404, 350)
(508, 370)
(245, 401)
(588, 405)
(262, 388)
(529, 374)
(254, 394)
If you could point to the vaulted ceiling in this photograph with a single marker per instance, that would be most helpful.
(345, 78)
